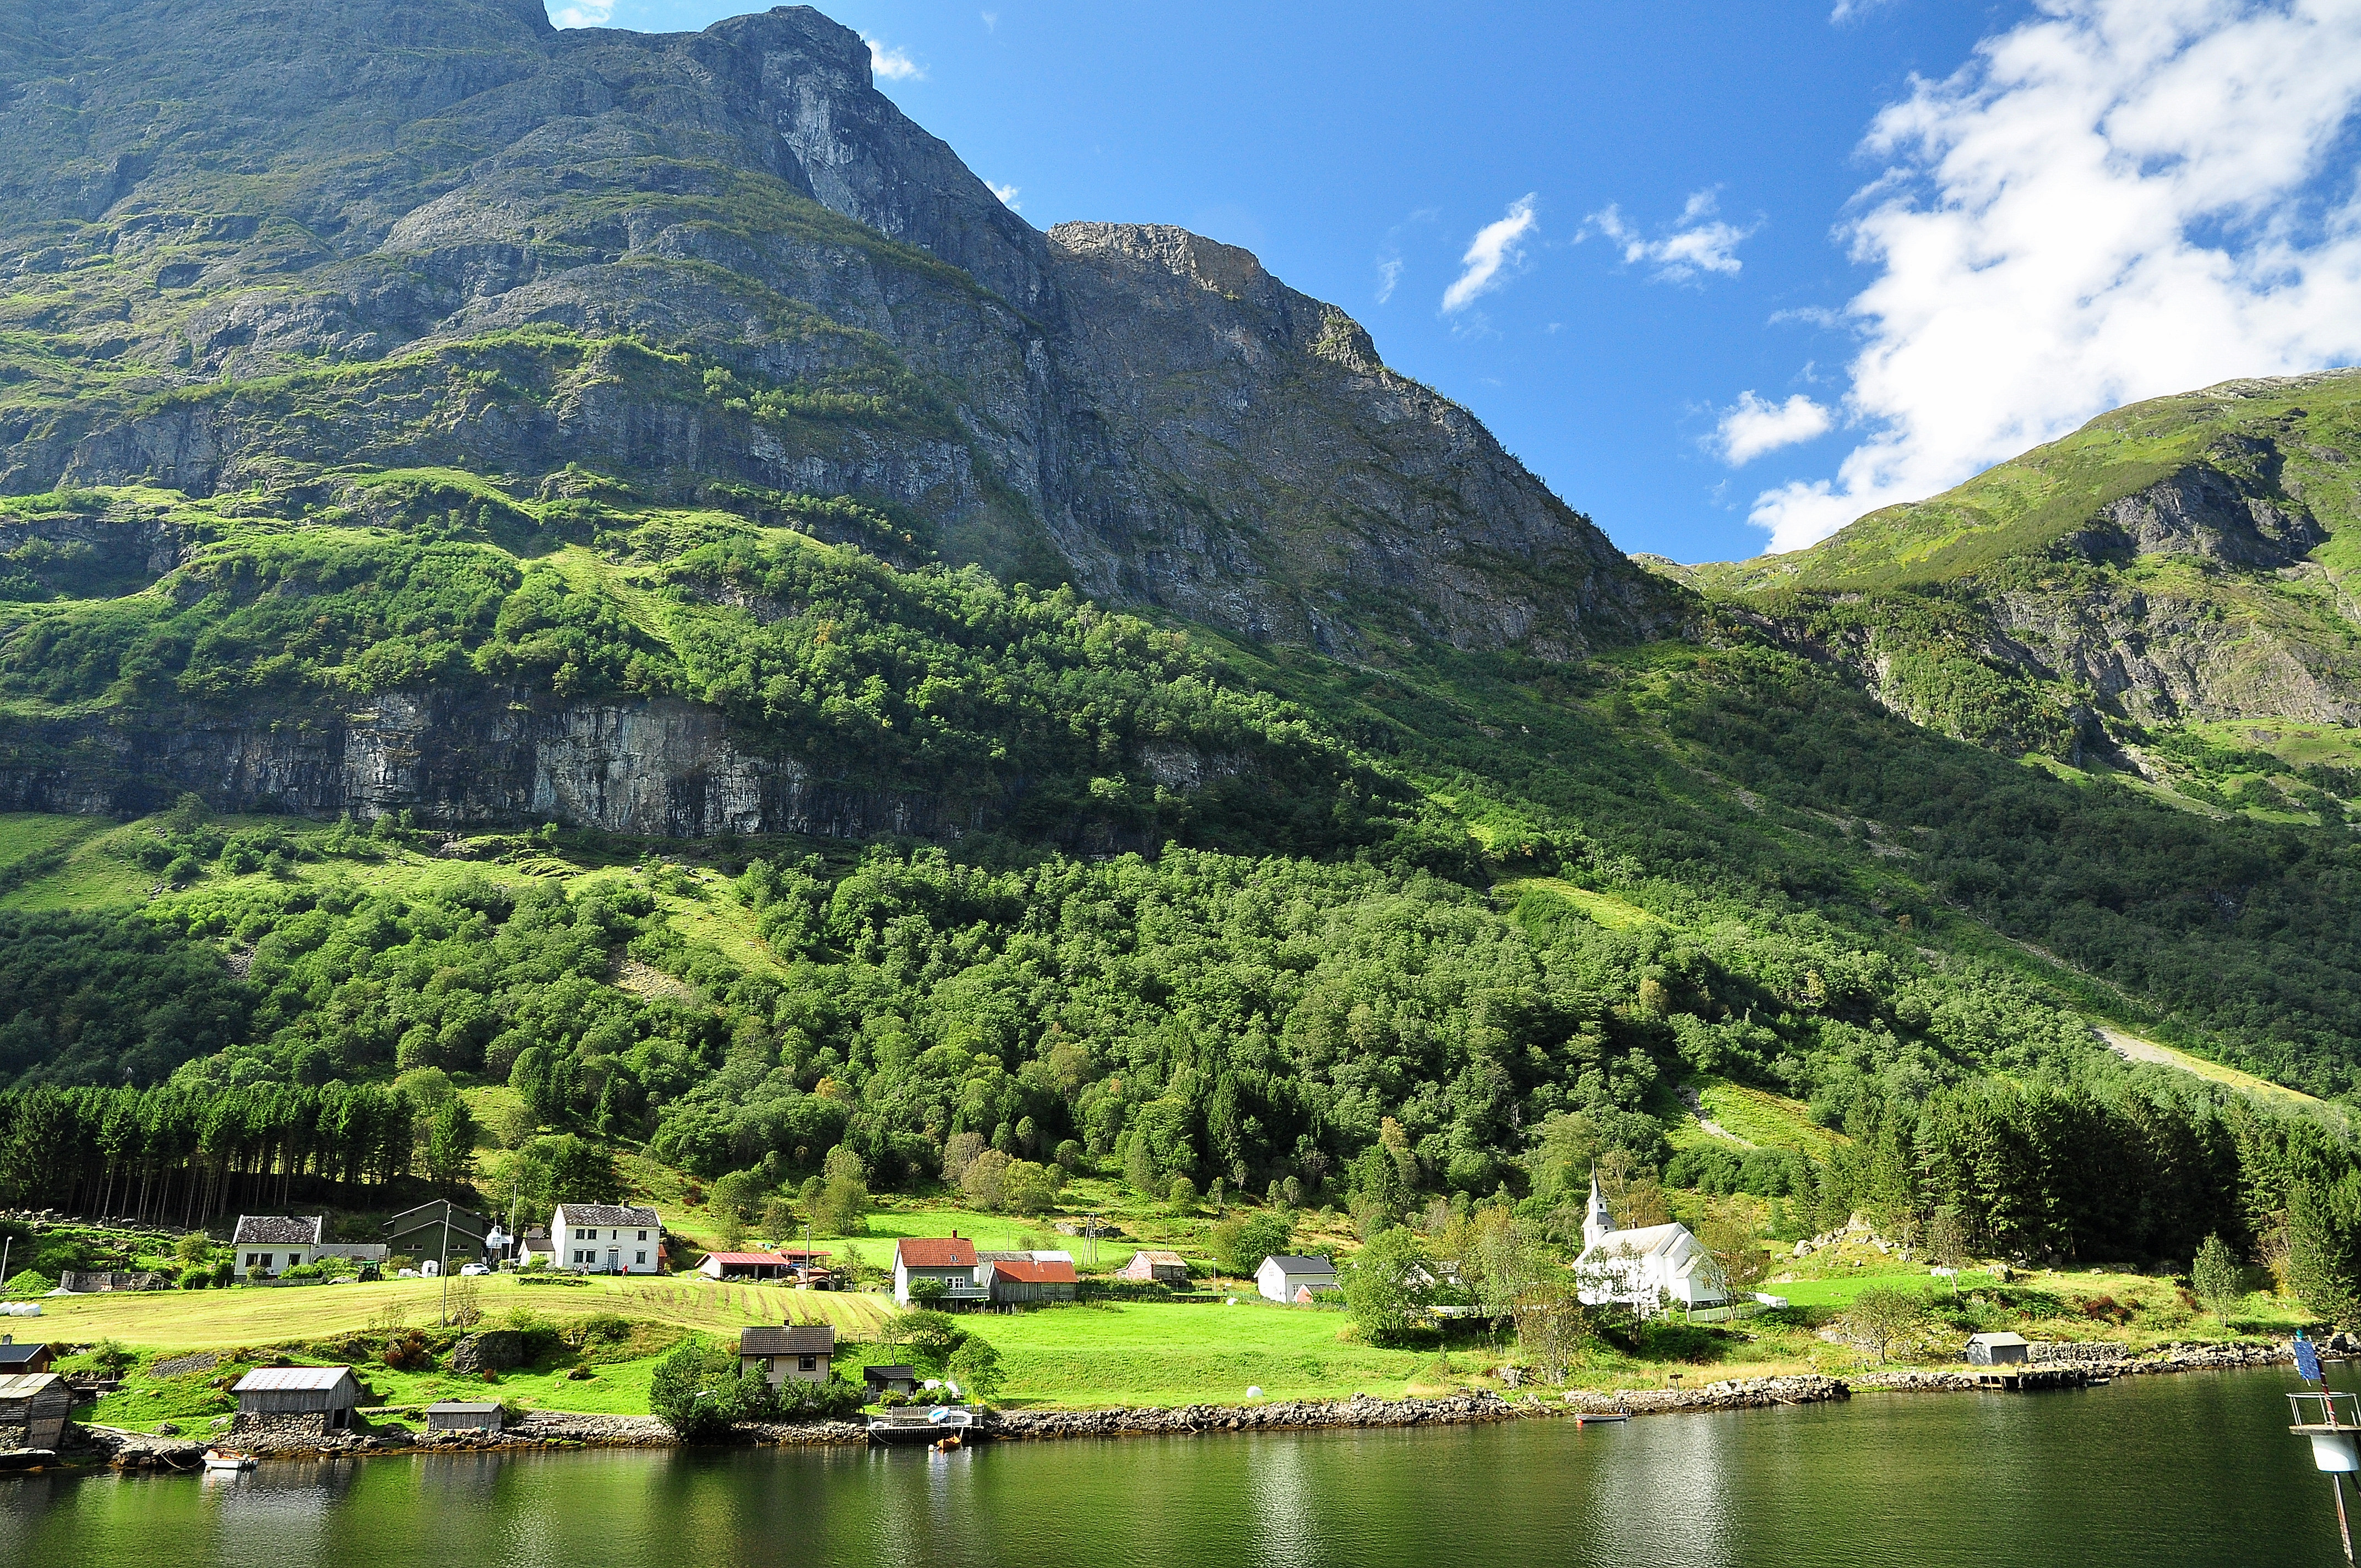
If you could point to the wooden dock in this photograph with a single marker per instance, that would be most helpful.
(2023, 1379)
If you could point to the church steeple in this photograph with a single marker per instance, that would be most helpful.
(1596, 1220)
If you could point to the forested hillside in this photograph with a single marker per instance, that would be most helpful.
(606, 615)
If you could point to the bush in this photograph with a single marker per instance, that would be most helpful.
(30, 1283)
(699, 1392)
(975, 1368)
(195, 1279)
(829, 1401)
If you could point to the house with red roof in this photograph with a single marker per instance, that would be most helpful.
(948, 1260)
(785, 1263)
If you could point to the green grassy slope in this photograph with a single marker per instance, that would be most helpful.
(2028, 504)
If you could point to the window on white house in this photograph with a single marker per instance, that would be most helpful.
(644, 1235)
(809, 1364)
(642, 1257)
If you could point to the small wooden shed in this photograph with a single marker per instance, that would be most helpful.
(464, 1415)
(884, 1380)
(31, 1356)
(330, 1392)
(1996, 1350)
(1151, 1265)
(33, 1409)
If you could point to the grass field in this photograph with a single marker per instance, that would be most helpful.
(1761, 1117)
(211, 1319)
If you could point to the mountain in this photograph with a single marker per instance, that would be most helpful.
(607, 571)
(2164, 587)
(413, 193)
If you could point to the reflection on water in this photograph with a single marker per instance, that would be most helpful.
(2152, 1471)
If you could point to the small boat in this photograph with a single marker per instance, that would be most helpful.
(943, 1424)
(223, 1459)
(1593, 1418)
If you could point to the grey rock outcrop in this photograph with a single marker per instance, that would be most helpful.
(657, 768)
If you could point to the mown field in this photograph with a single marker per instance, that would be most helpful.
(211, 1319)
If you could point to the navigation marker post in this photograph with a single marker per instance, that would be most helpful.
(2335, 1433)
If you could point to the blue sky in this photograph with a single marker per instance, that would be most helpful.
(1726, 274)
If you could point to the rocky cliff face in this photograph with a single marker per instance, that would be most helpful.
(652, 769)
(2174, 561)
(519, 248)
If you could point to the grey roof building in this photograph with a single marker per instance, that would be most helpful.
(793, 1353)
(276, 1230)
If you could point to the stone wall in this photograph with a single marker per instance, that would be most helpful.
(2056, 1351)
(1731, 1394)
(280, 1428)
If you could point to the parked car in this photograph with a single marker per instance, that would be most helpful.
(474, 1270)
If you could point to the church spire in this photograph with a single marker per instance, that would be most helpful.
(1596, 1220)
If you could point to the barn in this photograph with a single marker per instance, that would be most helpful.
(1014, 1279)
(1150, 1265)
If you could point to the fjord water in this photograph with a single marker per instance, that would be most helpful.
(2187, 1470)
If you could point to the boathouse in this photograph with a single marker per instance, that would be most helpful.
(33, 1409)
(313, 1399)
(465, 1415)
(1996, 1350)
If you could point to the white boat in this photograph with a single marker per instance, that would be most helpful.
(222, 1459)
(1592, 1417)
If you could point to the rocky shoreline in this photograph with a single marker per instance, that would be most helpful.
(556, 1430)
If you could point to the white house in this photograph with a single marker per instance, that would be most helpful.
(269, 1245)
(1648, 1269)
(605, 1238)
(1279, 1278)
(951, 1260)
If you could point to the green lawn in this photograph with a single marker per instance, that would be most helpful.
(1838, 1290)
(1165, 1354)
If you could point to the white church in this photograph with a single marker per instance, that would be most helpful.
(1649, 1270)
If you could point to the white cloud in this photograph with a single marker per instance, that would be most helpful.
(1494, 247)
(585, 14)
(1389, 270)
(1753, 426)
(1854, 10)
(2115, 200)
(1007, 195)
(1700, 242)
(990, 20)
(892, 64)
